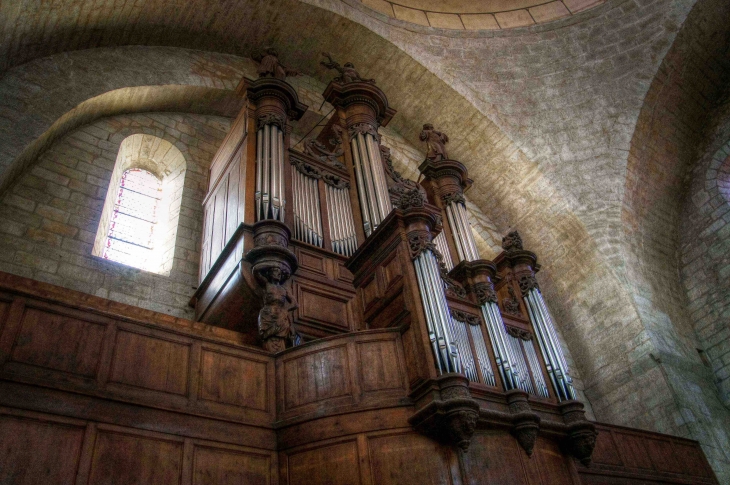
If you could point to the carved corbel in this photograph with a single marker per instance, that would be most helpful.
(484, 293)
(452, 417)
(525, 422)
(465, 317)
(582, 433)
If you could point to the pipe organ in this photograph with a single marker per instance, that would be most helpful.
(359, 249)
(347, 332)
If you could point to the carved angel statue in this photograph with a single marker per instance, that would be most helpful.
(269, 65)
(347, 72)
(435, 143)
(275, 319)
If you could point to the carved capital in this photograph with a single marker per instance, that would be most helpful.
(418, 242)
(484, 293)
(270, 119)
(453, 198)
(362, 129)
(527, 282)
(408, 198)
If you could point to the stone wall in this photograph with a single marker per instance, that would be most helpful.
(49, 217)
(705, 250)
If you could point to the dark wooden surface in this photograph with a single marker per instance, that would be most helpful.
(98, 392)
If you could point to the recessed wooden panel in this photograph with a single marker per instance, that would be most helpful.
(343, 274)
(553, 464)
(693, 460)
(217, 466)
(3, 314)
(391, 313)
(317, 376)
(234, 380)
(38, 452)
(662, 456)
(59, 342)
(392, 272)
(494, 459)
(150, 363)
(370, 293)
(312, 262)
(322, 306)
(605, 451)
(334, 464)
(633, 451)
(379, 365)
(407, 458)
(127, 459)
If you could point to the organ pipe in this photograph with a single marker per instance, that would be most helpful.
(552, 352)
(269, 194)
(442, 246)
(461, 229)
(342, 226)
(371, 186)
(307, 216)
(438, 319)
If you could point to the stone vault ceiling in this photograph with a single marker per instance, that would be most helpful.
(542, 115)
(479, 14)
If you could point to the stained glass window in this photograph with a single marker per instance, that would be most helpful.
(131, 230)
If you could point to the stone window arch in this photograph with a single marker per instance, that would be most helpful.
(141, 159)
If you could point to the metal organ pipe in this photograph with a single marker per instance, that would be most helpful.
(371, 184)
(438, 318)
(549, 345)
(307, 215)
(443, 247)
(497, 334)
(269, 195)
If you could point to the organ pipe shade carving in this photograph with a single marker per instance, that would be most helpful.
(269, 194)
(306, 207)
(438, 319)
(342, 225)
(466, 247)
(371, 185)
(547, 339)
(442, 246)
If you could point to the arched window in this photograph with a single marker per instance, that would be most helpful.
(132, 230)
(138, 225)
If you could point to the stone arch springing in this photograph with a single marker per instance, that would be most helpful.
(167, 163)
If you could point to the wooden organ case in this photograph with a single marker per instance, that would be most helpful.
(385, 323)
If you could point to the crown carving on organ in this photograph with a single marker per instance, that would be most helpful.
(348, 73)
(435, 143)
(512, 241)
(270, 66)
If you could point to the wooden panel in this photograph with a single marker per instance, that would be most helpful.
(217, 466)
(493, 459)
(59, 342)
(392, 272)
(633, 451)
(407, 458)
(661, 453)
(130, 459)
(391, 313)
(218, 239)
(379, 365)
(3, 314)
(693, 460)
(150, 363)
(370, 292)
(311, 262)
(323, 306)
(232, 141)
(333, 464)
(343, 274)
(315, 377)
(553, 464)
(234, 380)
(232, 201)
(38, 452)
(605, 452)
